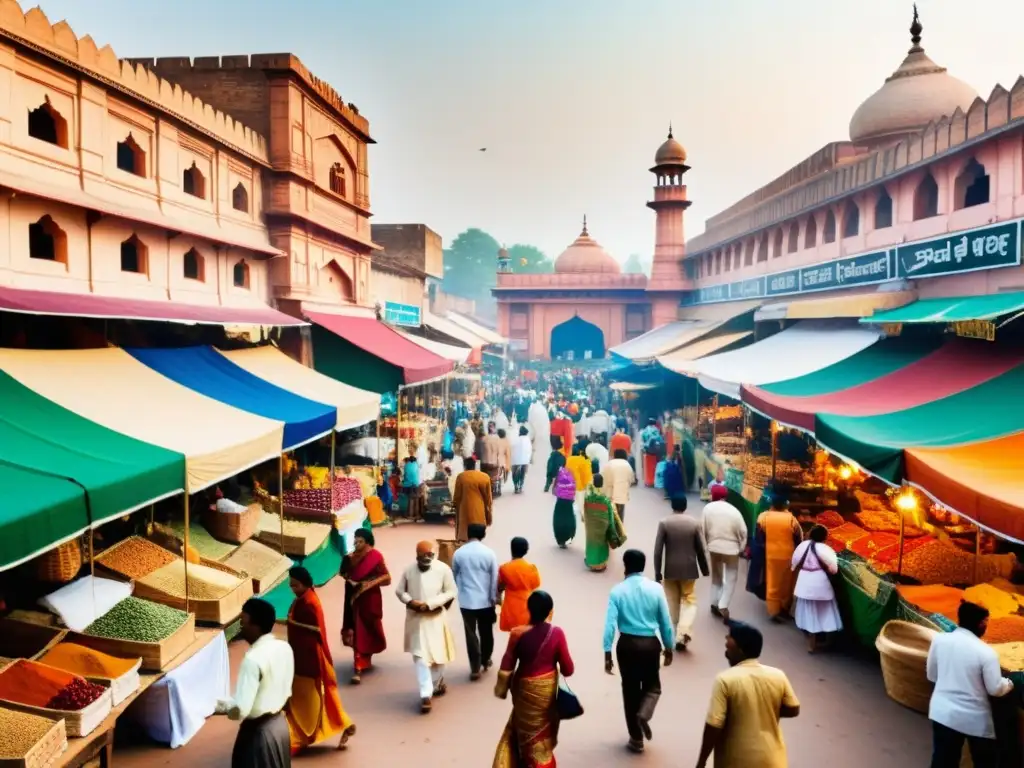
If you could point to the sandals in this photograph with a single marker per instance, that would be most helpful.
(441, 689)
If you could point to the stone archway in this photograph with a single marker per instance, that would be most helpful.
(576, 339)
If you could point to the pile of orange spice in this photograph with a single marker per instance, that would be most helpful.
(26, 682)
(86, 662)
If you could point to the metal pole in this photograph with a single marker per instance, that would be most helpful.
(334, 438)
(184, 550)
(280, 496)
(92, 562)
(903, 524)
(775, 445)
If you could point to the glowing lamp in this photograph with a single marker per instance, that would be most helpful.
(906, 502)
(846, 472)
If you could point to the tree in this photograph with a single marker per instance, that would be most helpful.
(470, 265)
(636, 265)
(529, 258)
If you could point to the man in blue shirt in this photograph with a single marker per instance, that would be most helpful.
(475, 568)
(638, 611)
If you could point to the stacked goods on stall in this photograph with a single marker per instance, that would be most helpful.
(54, 693)
(136, 628)
(215, 594)
(296, 538)
(199, 539)
(120, 675)
(265, 566)
(134, 558)
(30, 741)
(315, 497)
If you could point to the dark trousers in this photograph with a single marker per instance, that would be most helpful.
(947, 746)
(262, 743)
(518, 475)
(479, 625)
(639, 661)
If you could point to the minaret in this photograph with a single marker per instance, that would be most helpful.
(504, 262)
(668, 280)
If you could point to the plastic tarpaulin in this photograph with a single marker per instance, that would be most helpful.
(682, 360)
(661, 340)
(489, 336)
(955, 367)
(40, 510)
(112, 388)
(808, 346)
(987, 411)
(355, 406)
(208, 372)
(118, 473)
(953, 309)
(374, 337)
(981, 481)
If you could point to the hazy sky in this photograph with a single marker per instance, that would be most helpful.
(572, 97)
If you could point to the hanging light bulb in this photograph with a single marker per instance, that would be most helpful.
(907, 501)
(846, 472)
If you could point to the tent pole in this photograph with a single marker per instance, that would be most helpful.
(334, 438)
(92, 562)
(280, 496)
(899, 562)
(184, 550)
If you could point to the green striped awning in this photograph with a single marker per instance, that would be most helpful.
(952, 309)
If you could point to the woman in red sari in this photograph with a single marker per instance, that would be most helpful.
(314, 712)
(365, 573)
(536, 655)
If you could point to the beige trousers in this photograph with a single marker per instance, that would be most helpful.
(681, 595)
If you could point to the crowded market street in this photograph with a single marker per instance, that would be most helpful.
(845, 713)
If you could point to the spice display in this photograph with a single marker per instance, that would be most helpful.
(868, 546)
(998, 602)
(861, 574)
(204, 583)
(884, 520)
(135, 558)
(76, 695)
(26, 682)
(887, 559)
(20, 732)
(139, 621)
(942, 563)
(80, 660)
(255, 559)
(848, 533)
(1011, 656)
(202, 540)
(1005, 629)
(830, 519)
(838, 545)
(933, 599)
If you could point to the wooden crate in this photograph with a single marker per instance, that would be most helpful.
(77, 724)
(24, 640)
(156, 657)
(220, 612)
(293, 544)
(45, 752)
(272, 576)
(98, 560)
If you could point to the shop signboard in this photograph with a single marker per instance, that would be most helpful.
(988, 247)
(982, 248)
(401, 314)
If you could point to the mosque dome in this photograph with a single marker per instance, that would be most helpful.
(918, 92)
(671, 152)
(586, 256)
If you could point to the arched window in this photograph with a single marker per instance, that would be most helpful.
(134, 256)
(828, 234)
(777, 244)
(851, 219)
(193, 182)
(47, 241)
(130, 157)
(811, 233)
(926, 198)
(240, 275)
(794, 238)
(972, 186)
(194, 266)
(240, 198)
(338, 179)
(883, 210)
(47, 124)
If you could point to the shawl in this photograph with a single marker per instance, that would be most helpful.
(565, 485)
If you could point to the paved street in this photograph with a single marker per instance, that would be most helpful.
(845, 715)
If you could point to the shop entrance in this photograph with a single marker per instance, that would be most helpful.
(576, 339)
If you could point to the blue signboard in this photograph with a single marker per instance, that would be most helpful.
(401, 314)
(989, 247)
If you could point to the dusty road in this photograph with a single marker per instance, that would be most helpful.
(846, 719)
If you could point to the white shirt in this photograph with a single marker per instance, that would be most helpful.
(966, 672)
(264, 682)
(599, 452)
(522, 450)
(618, 478)
(724, 528)
(812, 582)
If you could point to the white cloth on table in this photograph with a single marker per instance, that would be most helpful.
(429, 676)
(812, 582)
(724, 575)
(81, 602)
(817, 616)
(966, 673)
(174, 708)
(427, 635)
(229, 507)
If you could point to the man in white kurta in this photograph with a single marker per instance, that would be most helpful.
(427, 589)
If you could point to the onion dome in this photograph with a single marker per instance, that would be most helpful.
(586, 256)
(671, 152)
(918, 92)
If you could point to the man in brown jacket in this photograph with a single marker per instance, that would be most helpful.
(679, 546)
(472, 499)
(490, 458)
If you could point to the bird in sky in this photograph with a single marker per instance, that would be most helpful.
(483, 149)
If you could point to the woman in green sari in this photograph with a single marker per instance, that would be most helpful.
(604, 529)
(555, 461)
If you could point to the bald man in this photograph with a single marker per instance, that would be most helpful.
(427, 589)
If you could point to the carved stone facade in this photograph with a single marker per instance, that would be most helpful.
(116, 182)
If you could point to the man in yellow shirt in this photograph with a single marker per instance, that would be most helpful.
(747, 702)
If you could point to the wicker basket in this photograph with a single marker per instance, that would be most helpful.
(61, 564)
(904, 652)
(235, 528)
(446, 549)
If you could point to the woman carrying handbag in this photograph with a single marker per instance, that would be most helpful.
(817, 612)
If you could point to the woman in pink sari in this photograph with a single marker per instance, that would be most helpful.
(365, 573)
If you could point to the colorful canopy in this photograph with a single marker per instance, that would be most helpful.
(118, 473)
(661, 340)
(415, 363)
(990, 410)
(808, 346)
(113, 389)
(355, 406)
(447, 351)
(953, 309)
(682, 361)
(40, 510)
(206, 371)
(955, 367)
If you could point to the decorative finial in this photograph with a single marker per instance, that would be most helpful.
(916, 29)
(584, 233)
(670, 129)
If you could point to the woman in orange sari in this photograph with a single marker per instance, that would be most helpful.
(781, 533)
(362, 630)
(537, 653)
(517, 579)
(314, 712)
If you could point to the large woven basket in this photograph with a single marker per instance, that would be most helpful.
(904, 653)
(61, 564)
(234, 528)
(446, 549)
